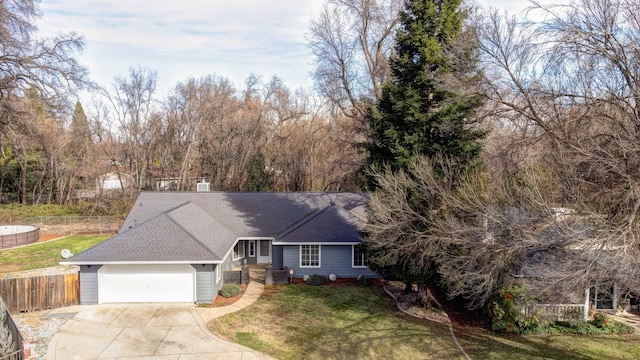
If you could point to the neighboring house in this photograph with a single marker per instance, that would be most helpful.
(566, 236)
(162, 179)
(174, 246)
(113, 181)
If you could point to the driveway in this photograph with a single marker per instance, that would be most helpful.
(140, 331)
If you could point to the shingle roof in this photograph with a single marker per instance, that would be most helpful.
(329, 225)
(204, 226)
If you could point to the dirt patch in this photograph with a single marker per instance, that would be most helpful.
(409, 303)
(48, 237)
(9, 268)
(223, 301)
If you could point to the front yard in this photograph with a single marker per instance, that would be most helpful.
(331, 322)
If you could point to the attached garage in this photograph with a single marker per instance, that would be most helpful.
(146, 283)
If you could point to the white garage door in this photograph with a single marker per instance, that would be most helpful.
(146, 283)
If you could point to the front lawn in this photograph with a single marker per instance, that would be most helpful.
(44, 254)
(330, 322)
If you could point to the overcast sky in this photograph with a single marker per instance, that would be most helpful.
(193, 38)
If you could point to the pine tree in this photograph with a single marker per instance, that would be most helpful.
(423, 112)
(79, 123)
(80, 131)
(258, 178)
(420, 111)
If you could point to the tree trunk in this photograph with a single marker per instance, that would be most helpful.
(422, 294)
(408, 287)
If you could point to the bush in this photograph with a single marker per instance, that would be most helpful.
(363, 281)
(506, 312)
(230, 290)
(600, 325)
(316, 280)
(7, 345)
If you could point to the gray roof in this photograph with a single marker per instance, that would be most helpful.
(202, 227)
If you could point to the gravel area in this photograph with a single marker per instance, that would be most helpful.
(37, 327)
(37, 330)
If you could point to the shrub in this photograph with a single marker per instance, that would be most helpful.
(600, 325)
(7, 345)
(600, 320)
(316, 280)
(230, 290)
(506, 312)
(363, 281)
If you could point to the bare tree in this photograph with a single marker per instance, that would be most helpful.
(556, 207)
(133, 102)
(352, 41)
(27, 62)
(190, 110)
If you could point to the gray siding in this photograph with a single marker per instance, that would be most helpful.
(334, 259)
(205, 282)
(89, 284)
(276, 257)
(228, 264)
(217, 284)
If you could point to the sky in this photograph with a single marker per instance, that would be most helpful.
(195, 38)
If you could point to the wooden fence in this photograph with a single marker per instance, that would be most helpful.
(40, 293)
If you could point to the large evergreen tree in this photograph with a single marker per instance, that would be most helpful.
(424, 112)
(424, 109)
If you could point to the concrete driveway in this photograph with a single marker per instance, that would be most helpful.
(140, 331)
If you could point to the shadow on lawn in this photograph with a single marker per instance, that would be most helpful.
(484, 344)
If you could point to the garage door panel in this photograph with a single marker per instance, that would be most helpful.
(146, 283)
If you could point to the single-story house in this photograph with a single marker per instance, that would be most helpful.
(174, 246)
(113, 181)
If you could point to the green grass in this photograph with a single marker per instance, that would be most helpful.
(45, 254)
(16, 212)
(484, 344)
(308, 322)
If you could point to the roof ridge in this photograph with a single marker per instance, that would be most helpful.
(188, 232)
(304, 221)
(135, 221)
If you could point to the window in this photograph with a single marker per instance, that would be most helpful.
(310, 256)
(218, 273)
(238, 250)
(359, 260)
(252, 248)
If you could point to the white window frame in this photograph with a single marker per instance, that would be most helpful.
(252, 248)
(240, 250)
(353, 259)
(218, 273)
(319, 256)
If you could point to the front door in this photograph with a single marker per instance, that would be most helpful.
(264, 251)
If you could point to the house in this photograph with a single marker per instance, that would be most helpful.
(174, 246)
(113, 181)
(561, 282)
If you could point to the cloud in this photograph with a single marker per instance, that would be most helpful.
(231, 38)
